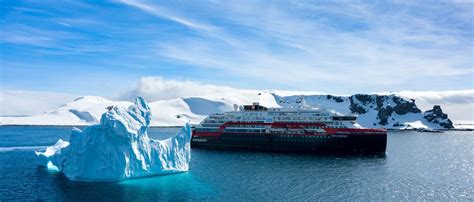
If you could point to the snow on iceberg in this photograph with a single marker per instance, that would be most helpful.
(119, 148)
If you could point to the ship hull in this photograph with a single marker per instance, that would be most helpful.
(328, 143)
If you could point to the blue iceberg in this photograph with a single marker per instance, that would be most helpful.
(119, 148)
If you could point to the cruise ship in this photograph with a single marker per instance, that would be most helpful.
(298, 129)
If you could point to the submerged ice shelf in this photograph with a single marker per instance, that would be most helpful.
(119, 148)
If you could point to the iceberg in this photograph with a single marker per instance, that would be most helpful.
(119, 148)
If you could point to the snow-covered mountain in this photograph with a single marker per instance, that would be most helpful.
(388, 111)
(81, 111)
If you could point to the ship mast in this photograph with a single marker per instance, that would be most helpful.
(301, 101)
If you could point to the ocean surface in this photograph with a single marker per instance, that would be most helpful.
(431, 166)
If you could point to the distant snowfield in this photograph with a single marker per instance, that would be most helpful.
(27, 103)
(63, 109)
(464, 124)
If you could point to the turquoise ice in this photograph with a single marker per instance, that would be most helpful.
(119, 148)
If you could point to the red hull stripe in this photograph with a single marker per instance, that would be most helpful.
(217, 134)
(206, 134)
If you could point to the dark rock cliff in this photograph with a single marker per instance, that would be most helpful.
(385, 105)
(437, 116)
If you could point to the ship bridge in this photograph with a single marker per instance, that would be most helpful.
(254, 107)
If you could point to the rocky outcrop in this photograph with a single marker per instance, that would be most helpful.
(383, 115)
(437, 116)
(385, 105)
(338, 99)
(355, 107)
(404, 106)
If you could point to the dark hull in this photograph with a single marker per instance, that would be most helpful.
(347, 143)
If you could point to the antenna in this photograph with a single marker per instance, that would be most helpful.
(301, 101)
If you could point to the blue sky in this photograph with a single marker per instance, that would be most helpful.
(104, 48)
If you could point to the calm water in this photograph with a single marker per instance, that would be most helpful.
(417, 166)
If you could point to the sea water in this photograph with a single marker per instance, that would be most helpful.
(431, 166)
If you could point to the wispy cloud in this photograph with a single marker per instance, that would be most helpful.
(26, 35)
(49, 42)
(167, 14)
(302, 43)
(332, 46)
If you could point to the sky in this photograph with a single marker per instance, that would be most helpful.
(107, 48)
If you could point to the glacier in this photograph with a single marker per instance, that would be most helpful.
(119, 148)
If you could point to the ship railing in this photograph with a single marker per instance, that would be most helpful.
(274, 125)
